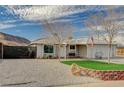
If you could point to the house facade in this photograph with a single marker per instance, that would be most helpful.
(77, 48)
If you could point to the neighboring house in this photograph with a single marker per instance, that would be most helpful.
(120, 44)
(120, 50)
(74, 48)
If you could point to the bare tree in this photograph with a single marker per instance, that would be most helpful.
(106, 25)
(61, 33)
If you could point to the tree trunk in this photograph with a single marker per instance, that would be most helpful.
(109, 53)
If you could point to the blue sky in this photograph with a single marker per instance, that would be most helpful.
(13, 25)
(16, 23)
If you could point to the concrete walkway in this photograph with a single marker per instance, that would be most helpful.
(37, 72)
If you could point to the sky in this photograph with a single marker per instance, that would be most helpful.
(27, 21)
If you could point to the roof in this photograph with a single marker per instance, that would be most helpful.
(48, 40)
(11, 43)
(80, 41)
(120, 45)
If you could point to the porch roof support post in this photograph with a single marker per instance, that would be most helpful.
(2, 50)
(87, 51)
(65, 51)
(75, 50)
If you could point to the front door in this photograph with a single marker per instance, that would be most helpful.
(72, 51)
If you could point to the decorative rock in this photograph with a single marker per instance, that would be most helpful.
(103, 75)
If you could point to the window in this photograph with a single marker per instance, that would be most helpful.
(72, 46)
(48, 49)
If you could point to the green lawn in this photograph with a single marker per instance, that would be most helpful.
(96, 65)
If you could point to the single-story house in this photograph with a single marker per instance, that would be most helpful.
(120, 50)
(74, 48)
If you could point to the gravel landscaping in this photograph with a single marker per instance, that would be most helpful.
(38, 73)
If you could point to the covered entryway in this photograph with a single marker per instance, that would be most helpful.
(77, 51)
(82, 51)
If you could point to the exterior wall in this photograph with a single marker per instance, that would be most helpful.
(62, 51)
(92, 51)
(40, 51)
(56, 51)
(83, 51)
(114, 50)
(41, 54)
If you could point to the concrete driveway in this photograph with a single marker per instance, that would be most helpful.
(38, 72)
(118, 60)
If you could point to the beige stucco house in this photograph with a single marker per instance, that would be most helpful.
(73, 49)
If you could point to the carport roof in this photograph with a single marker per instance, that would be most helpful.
(11, 43)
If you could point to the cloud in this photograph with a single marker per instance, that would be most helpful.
(9, 21)
(61, 20)
(53, 12)
(11, 24)
(39, 13)
(6, 26)
(28, 24)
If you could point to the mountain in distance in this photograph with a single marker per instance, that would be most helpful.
(12, 40)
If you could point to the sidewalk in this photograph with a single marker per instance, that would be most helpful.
(101, 84)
